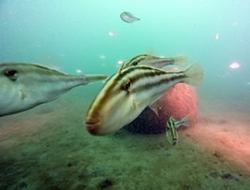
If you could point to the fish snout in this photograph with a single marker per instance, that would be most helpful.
(92, 125)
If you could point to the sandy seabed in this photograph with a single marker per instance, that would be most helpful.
(47, 148)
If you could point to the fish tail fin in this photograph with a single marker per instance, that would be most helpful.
(180, 61)
(94, 78)
(187, 121)
(194, 74)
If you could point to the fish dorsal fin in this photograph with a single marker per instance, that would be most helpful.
(121, 68)
(150, 51)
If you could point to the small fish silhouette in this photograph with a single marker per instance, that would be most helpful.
(128, 17)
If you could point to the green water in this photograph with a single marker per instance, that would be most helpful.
(36, 145)
(73, 35)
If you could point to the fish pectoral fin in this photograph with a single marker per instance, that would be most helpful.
(154, 108)
(22, 94)
(135, 104)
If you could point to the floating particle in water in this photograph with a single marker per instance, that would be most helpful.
(234, 24)
(102, 56)
(120, 62)
(216, 36)
(234, 65)
(112, 34)
(226, 75)
(78, 71)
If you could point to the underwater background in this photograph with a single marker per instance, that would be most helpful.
(49, 148)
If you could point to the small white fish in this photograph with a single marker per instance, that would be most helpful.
(24, 86)
(128, 17)
(171, 128)
(127, 93)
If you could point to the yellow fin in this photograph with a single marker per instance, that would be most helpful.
(180, 61)
(135, 104)
(187, 121)
(150, 51)
(194, 74)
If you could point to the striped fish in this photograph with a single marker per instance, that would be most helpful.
(127, 93)
(158, 62)
(171, 128)
(24, 86)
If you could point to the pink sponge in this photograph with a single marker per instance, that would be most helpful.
(178, 102)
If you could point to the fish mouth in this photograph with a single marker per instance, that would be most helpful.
(92, 125)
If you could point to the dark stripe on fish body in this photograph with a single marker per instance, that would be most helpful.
(136, 61)
(142, 57)
(138, 76)
(142, 76)
(170, 124)
(156, 84)
(172, 129)
(132, 62)
(131, 69)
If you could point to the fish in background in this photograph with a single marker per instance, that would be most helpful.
(171, 128)
(160, 107)
(128, 17)
(127, 93)
(158, 62)
(24, 86)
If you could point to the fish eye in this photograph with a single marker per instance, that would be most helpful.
(139, 59)
(126, 85)
(135, 63)
(11, 73)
